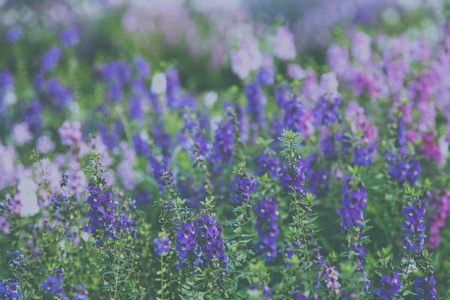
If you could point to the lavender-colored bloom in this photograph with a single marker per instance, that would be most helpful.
(200, 147)
(294, 114)
(60, 93)
(14, 33)
(70, 133)
(32, 115)
(142, 66)
(54, 282)
(267, 227)
(21, 134)
(424, 288)
(353, 202)
(440, 204)
(224, 140)
(293, 177)
(173, 91)
(269, 164)
(9, 289)
(159, 165)
(282, 94)
(79, 292)
(162, 245)
(50, 59)
(200, 243)
(109, 137)
(326, 111)
(361, 50)
(135, 108)
(413, 227)
(140, 142)
(329, 85)
(265, 76)
(256, 103)
(294, 71)
(390, 286)
(245, 186)
(362, 155)
(69, 36)
(6, 85)
(332, 279)
(284, 44)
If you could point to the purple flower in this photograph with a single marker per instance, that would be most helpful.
(245, 186)
(69, 36)
(142, 66)
(413, 227)
(50, 59)
(9, 289)
(267, 227)
(269, 164)
(256, 104)
(53, 285)
(14, 33)
(293, 177)
(390, 286)
(353, 202)
(284, 44)
(200, 243)
(79, 292)
(162, 245)
(224, 140)
(424, 288)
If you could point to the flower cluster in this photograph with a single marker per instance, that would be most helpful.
(16, 261)
(245, 186)
(326, 111)
(162, 245)
(269, 163)
(200, 243)
(54, 282)
(256, 104)
(353, 202)
(224, 140)
(390, 286)
(413, 227)
(79, 292)
(9, 289)
(403, 170)
(332, 280)
(293, 176)
(440, 205)
(424, 288)
(200, 147)
(267, 227)
(116, 75)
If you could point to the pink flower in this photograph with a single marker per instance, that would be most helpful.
(4, 225)
(284, 44)
(21, 134)
(329, 85)
(45, 144)
(361, 49)
(294, 71)
(70, 133)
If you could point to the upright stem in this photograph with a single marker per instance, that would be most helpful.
(118, 268)
(162, 276)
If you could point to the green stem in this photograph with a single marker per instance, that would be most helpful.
(118, 268)
(162, 276)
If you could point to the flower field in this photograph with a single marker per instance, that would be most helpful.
(202, 150)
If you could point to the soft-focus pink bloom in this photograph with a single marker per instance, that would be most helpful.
(21, 134)
(7, 169)
(45, 144)
(294, 71)
(329, 85)
(284, 44)
(339, 60)
(307, 124)
(4, 225)
(429, 148)
(70, 133)
(361, 49)
(310, 89)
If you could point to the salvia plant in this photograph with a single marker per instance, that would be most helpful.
(253, 150)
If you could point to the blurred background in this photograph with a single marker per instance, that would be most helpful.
(197, 36)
